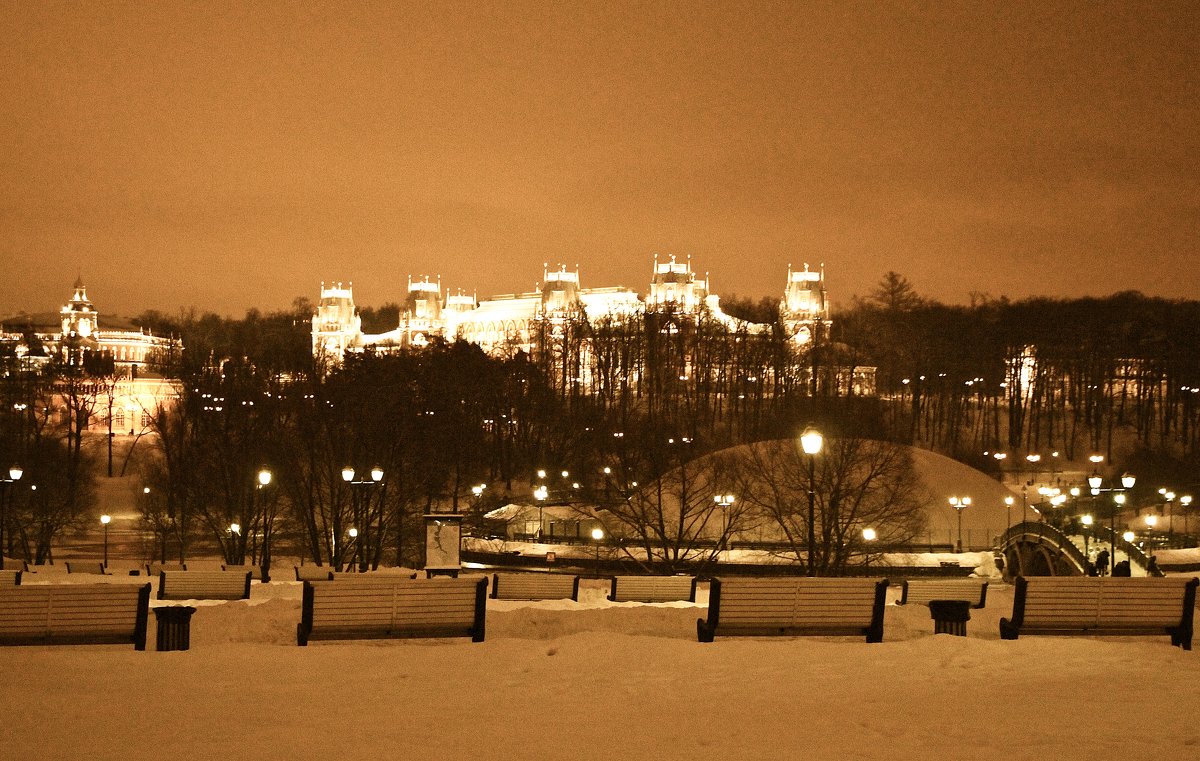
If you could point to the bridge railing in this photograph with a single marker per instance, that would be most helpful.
(1132, 551)
(1043, 533)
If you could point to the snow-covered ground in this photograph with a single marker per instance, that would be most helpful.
(597, 680)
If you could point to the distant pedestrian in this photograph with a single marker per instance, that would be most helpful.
(1121, 569)
(1102, 562)
(1151, 566)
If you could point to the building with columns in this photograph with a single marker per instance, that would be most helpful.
(507, 323)
(78, 335)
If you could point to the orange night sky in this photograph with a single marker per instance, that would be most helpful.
(229, 155)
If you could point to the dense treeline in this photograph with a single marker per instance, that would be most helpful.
(610, 404)
(1108, 375)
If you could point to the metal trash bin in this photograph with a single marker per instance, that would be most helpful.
(174, 627)
(950, 616)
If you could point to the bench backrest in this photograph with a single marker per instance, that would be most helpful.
(153, 569)
(86, 566)
(350, 608)
(10, 578)
(922, 591)
(1088, 602)
(204, 585)
(74, 613)
(652, 588)
(312, 572)
(799, 605)
(13, 564)
(535, 586)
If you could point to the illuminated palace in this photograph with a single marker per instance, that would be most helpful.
(76, 335)
(510, 322)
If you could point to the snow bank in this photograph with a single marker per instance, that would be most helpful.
(596, 680)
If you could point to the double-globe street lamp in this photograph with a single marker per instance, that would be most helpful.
(376, 479)
(959, 504)
(1095, 481)
(811, 441)
(724, 501)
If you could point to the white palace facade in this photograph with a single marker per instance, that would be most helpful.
(75, 334)
(508, 323)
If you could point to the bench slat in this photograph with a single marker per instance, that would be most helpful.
(436, 607)
(534, 586)
(204, 585)
(794, 606)
(76, 614)
(1082, 605)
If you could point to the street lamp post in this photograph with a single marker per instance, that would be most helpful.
(1008, 503)
(869, 535)
(104, 521)
(1127, 482)
(376, 479)
(540, 494)
(811, 442)
(353, 533)
(264, 480)
(724, 501)
(597, 537)
(1086, 520)
(960, 504)
(14, 475)
(1185, 502)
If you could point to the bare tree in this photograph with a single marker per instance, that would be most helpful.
(856, 484)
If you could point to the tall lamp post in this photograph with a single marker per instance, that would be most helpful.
(264, 480)
(376, 479)
(540, 494)
(869, 536)
(597, 537)
(1086, 520)
(104, 521)
(1008, 503)
(960, 504)
(1127, 482)
(724, 501)
(14, 475)
(811, 442)
(1185, 502)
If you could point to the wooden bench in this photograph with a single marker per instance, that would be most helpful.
(74, 614)
(921, 591)
(10, 578)
(534, 586)
(13, 564)
(86, 566)
(788, 606)
(652, 588)
(153, 569)
(314, 572)
(1103, 606)
(204, 585)
(353, 609)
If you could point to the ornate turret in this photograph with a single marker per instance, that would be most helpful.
(674, 285)
(560, 291)
(336, 325)
(804, 307)
(421, 316)
(79, 318)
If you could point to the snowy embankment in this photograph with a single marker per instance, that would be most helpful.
(597, 680)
